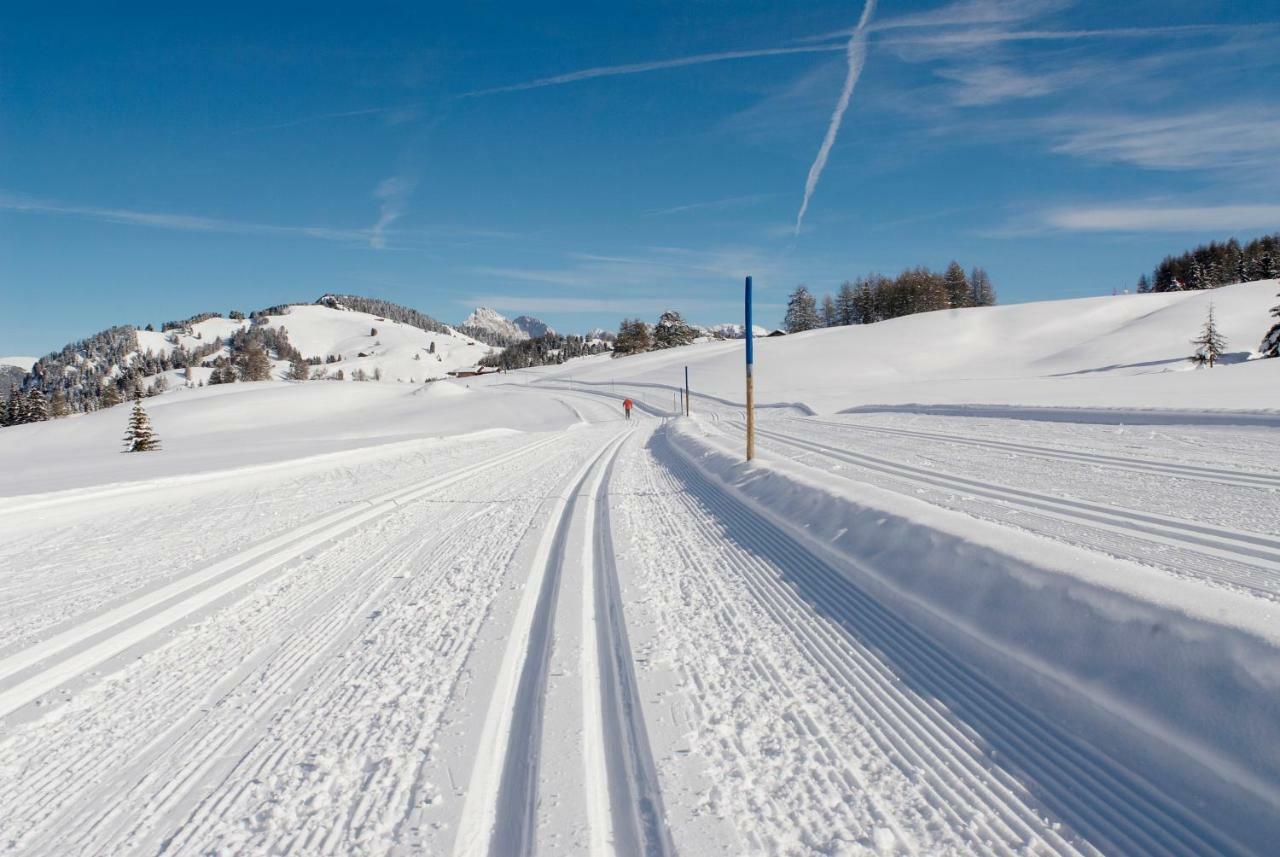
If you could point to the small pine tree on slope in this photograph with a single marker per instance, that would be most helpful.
(139, 436)
(1210, 344)
(1270, 346)
(802, 311)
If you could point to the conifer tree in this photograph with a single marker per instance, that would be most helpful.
(1270, 346)
(1210, 344)
(58, 404)
(300, 371)
(672, 330)
(633, 338)
(959, 292)
(36, 406)
(10, 415)
(139, 436)
(802, 311)
(984, 294)
(847, 304)
(254, 365)
(829, 316)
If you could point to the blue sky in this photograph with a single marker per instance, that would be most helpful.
(585, 161)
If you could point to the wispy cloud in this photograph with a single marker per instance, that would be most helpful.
(856, 56)
(656, 65)
(715, 204)
(1163, 218)
(392, 195)
(1241, 137)
(181, 222)
(394, 114)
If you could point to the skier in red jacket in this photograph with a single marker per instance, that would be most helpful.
(626, 406)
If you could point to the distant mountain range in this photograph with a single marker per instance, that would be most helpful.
(518, 329)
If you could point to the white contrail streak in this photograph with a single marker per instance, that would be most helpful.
(640, 67)
(856, 52)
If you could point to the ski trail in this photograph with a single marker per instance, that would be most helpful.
(639, 824)
(856, 55)
(498, 814)
(169, 604)
(1217, 554)
(1238, 478)
(1115, 809)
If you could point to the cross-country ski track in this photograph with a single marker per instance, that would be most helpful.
(569, 642)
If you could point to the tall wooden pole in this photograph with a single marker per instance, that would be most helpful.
(751, 391)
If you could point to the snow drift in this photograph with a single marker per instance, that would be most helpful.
(1158, 672)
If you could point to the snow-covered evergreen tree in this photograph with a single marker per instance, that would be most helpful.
(1270, 346)
(672, 330)
(829, 316)
(36, 407)
(1210, 344)
(847, 304)
(959, 292)
(139, 436)
(802, 311)
(984, 294)
(633, 338)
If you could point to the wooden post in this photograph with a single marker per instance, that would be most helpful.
(751, 392)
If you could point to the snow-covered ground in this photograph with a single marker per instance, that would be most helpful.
(492, 616)
(1125, 352)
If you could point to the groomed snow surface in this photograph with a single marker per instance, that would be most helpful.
(493, 617)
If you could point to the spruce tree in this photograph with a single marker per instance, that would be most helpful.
(139, 436)
(672, 330)
(633, 338)
(830, 318)
(959, 292)
(10, 415)
(1270, 346)
(36, 406)
(847, 304)
(802, 311)
(1210, 344)
(984, 294)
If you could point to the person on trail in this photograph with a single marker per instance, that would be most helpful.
(626, 406)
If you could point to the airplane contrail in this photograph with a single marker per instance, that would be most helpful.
(640, 67)
(856, 52)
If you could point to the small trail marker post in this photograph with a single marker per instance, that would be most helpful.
(751, 392)
(686, 391)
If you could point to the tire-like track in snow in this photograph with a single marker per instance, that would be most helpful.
(1244, 559)
(1224, 476)
(33, 672)
(1110, 808)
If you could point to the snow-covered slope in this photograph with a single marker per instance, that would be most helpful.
(399, 351)
(1120, 352)
(23, 363)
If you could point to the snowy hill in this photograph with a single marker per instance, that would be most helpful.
(486, 320)
(23, 363)
(1120, 352)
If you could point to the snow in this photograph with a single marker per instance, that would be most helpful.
(522, 327)
(1126, 352)
(23, 363)
(954, 606)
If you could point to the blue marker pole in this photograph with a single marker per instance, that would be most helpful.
(751, 392)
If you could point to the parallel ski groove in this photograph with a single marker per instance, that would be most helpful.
(1109, 804)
